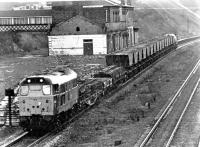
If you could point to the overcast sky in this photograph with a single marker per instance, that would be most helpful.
(7, 4)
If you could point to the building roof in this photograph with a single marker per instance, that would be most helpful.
(90, 3)
(78, 17)
(24, 13)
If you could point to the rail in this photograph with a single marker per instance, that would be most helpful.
(167, 109)
(185, 40)
(180, 118)
(12, 142)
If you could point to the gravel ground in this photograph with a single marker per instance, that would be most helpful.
(115, 120)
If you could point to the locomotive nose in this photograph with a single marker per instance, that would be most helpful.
(35, 108)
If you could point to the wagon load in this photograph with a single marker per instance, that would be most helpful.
(134, 55)
(90, 90)
(113, 74)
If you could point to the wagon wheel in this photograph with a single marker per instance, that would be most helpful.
(92, 101)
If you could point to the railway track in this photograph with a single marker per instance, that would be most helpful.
(181, 117)
(168, 109)
(35, 142)
(16, 140)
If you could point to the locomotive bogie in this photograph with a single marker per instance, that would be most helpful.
(36, 122)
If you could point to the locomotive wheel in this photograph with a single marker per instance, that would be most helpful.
(57, 124)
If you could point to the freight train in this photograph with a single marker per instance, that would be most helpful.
(45, 100)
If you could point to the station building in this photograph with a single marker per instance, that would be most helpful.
(91, 27)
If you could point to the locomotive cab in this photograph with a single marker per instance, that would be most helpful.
(44, 97)
(35, 97)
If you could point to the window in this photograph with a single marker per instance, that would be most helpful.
(47, 20)
(31, 20)
(116, 16)
(74, 83)
(62, 99)
(77, 29)
(24, 90)
(38, 20)
(66, 87)
(19, 20)
(124, 11)
(62, 88)
(5, 21)
(46, 89)
(70, 84)
(55, 89)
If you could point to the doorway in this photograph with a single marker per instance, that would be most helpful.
(87, 46)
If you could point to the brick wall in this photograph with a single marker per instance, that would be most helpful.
(77, 25)
(97, 15)
(62, 13)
